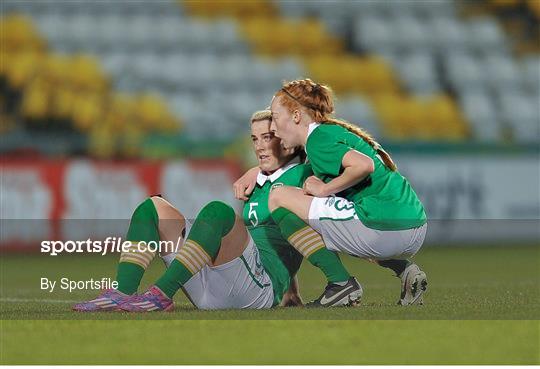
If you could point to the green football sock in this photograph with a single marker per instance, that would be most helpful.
(398, 266)
(143, 227)
(202, 245)
(310, 244)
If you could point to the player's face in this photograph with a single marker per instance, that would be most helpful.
(283, 124)
(270, 154)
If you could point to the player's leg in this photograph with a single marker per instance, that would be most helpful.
(154, 219)
(342, 231)
(413, 279)
(216, 237)
(289, 205)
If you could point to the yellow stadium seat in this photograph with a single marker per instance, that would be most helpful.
(534, 5)
(36, 99)
(313, 38)
(445, 118)
(86, 73)
(62, 102)
(101, 142)
(22, 67)
(56, 69)
(151, 111)
(270, 36)
(321, 68)
(376, 76)
(120, 112)
(17, 32)
(235, 8)
(87, 111)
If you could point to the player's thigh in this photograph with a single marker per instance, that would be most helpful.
(241, 283)
(233, 244)
(336, 220)
(291, 198)
(171, 222)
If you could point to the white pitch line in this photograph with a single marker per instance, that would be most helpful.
(48, 301)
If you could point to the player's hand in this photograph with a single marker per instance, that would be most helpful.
(291, 299)
(244, 186)
(315, 187)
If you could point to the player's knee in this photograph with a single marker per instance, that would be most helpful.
(165, 210)
(276, 198)
(220, 214)
(145, 210)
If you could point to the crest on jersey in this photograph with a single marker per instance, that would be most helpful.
(276, 185)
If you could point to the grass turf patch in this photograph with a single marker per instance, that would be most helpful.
(270, 342)
(482, 307)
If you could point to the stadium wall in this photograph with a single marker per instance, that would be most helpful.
(467, 198)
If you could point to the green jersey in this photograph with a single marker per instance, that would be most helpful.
(384, 200)
(280, 260)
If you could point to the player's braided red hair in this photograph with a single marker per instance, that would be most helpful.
(319, 101)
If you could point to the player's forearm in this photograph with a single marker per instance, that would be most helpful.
(351, 176)
(294, 287)
(243, 186)
(292, 296)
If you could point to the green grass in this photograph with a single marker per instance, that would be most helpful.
(482, 307)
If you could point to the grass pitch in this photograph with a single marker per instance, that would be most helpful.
(482, 307)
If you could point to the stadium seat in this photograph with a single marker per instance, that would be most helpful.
(410, 32)
(372, 33)
(448, 33)
(18, 33)
(485, 34)
(417, 70)
(503, 72)
(530, 69)
(21, 67)
(35, 101)
(521, 112)
(464, 71)
(87, 110)
(444, 119)
(358, 111)
(481, 113)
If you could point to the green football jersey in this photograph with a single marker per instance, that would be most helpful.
(384, 200)
(281, 261)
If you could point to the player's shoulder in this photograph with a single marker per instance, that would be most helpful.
(296, 174)
(324, 134)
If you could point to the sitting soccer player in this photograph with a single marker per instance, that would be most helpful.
(225, 261)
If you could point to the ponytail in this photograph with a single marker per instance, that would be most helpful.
(319, 101)
(387, 160)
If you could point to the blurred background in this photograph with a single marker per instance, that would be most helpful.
(103, 102)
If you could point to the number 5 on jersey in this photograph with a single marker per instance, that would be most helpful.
(252, 214)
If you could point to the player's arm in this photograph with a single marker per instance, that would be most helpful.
(292, 296)
(243, 187)
(356, 167)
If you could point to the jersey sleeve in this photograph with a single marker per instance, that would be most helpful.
(326, 154)
(296, 176)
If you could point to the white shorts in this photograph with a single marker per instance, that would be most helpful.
(336, 220)
(241, 283)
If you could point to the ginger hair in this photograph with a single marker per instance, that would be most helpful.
(319, 102)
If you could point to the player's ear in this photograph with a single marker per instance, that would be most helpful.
(297, 115)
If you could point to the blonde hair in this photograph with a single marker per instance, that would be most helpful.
(261, 115)
(319, 101)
